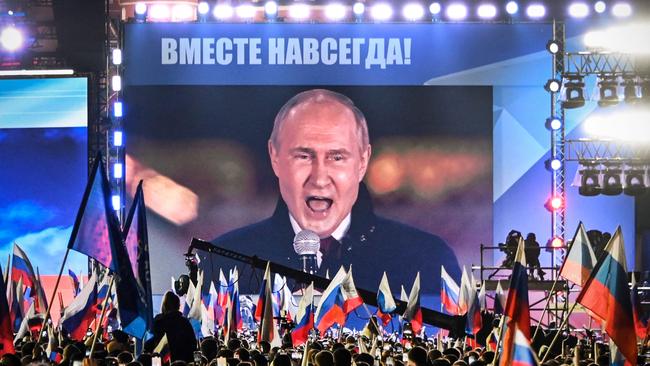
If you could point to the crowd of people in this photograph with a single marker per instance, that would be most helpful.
(242, 349)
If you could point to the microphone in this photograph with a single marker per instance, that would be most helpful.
(306, 244)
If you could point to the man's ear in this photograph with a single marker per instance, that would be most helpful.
(365, 158)
(273, 155)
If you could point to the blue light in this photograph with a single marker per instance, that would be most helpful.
(555, 123)
(117, 171)
(117, 109)
(117, 138)
(116, 201)
(556, 164)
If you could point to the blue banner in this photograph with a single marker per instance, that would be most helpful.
(318, 54)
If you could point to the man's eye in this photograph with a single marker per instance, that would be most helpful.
(302, 156)
(337, 157)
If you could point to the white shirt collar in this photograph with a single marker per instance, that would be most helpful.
(338, 234)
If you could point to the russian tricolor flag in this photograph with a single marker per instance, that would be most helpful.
(523, 354)
(221, 300)
(304, 317)
(413, 312)
(580, 260)
(516, 312)
(468, 302)
(264, 312)
(233, 321)
(81, 311)
(21, 268)
(499, 299)
(385, 301)
(75, 282)
(449, 292)
(607, 295)
(351, 298)
(641, 322)
(330, 307)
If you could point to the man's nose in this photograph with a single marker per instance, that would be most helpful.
(319, 176)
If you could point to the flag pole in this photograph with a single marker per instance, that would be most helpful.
(502, 323)
(557, 333)
(101, 317)
(548, 302)
(49, 304)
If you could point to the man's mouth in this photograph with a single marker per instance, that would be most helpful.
(319, 203)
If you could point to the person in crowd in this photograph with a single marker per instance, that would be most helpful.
(170, 322)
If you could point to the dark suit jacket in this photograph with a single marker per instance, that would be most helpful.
(180, 335)
(373, 244)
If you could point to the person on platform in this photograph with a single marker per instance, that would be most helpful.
(319, 150)
(179, 331)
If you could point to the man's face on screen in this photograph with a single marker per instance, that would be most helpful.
(319, 162)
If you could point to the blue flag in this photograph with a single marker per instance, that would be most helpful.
(134, 284)
(96, 232)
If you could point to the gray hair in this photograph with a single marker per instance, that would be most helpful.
(320, 96)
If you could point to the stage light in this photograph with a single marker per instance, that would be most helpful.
(117, 109)
(271, 9)
(635, 180)
(116, 83)
(552, 164)
(456, 11)
(358, 9)
(299, 11)
(574, 92)
(556, 164)
(557, 243)
(553, 46)
(381, 11)
(553, 123)
(589, 180)
(621, 10)
(600, 7)
(552, 86)
(578, 10)
(116, 201)
(117, 138)
(612, 183)
(223, 11)
(159, 12)
(629, 85)
(486, 11)
(182, 12)
(536, 11)
(140, 9)
(512, 7)
(622, 125)
(608, 86)
(554, 203)
(335, 11)
(117, 171)
(245, 11)
(11, 39)
(203, 8)
(435, 8)
(116, 56)
(413, 11)
(628, 38)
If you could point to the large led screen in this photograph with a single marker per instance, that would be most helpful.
(43, 169)
(202, 152)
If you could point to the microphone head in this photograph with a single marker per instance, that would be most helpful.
(306, 242)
